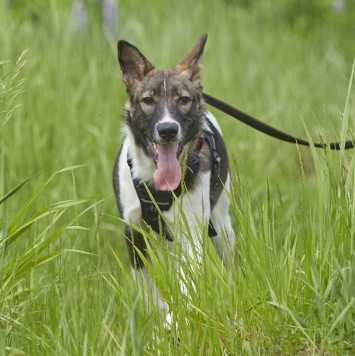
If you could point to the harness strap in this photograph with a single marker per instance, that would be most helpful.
(216, 159)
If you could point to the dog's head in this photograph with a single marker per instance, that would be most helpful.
(165, 108)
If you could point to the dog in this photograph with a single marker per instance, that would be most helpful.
(173, 151)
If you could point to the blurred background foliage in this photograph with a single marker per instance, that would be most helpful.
(273, 59)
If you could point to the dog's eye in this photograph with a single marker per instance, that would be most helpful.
(148, 100)
(184, 100)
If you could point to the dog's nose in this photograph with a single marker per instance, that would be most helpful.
(167, 130)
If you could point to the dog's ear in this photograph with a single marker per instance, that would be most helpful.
(191, 66)
(134, 66)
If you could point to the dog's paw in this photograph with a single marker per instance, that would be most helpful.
(168, 324)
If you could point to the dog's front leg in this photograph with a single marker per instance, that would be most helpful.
(222, 223)
(190, 214)
(135, 241)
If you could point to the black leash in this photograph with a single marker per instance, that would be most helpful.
(266, 129)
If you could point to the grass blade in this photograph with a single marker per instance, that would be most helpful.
(14, 190)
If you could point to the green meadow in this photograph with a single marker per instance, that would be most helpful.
(65, 281)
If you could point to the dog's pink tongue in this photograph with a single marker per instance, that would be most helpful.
(168, 174)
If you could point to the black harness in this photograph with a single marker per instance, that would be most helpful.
(164, 199)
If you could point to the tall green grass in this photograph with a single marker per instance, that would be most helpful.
(29, 231)
(65, 276)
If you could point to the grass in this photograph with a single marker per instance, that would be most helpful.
(66, 287)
